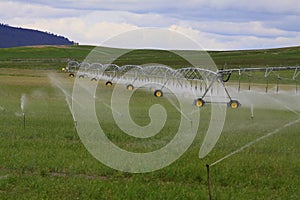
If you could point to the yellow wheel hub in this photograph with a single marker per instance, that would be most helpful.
(158, 93)
(199, 103)
(109, 83)
(234, 104)
(130, 87)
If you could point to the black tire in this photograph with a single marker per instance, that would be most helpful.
(234, 104)
(72, 75)
(108, 83)
(158, 93)
(81, 76)
(130, 87)
(93, 79)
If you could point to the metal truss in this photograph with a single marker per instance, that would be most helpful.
(199, 79)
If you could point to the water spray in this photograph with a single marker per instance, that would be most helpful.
(108, 106)
(252, 111)
(178, 109)
(285, 106)
(244, 147)
(257, 140)
(24, 121)
(68, 97)
(2, 109)
(23, 101)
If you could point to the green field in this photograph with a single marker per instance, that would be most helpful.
(55, 57)
(47, 160)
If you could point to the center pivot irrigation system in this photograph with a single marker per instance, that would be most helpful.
(201, 81)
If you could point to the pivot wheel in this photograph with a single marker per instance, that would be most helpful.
(81, 76)
(199, 103)
(234, 104)
(158, 93)
(108, 83)
(71, 75)
(93, 79)
(130, 87)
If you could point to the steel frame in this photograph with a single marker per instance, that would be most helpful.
(165, 74)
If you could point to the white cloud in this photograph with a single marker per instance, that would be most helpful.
(212, 41)
(81, 31)
(209, 22)
(10, 10)
(270, 6)
(251, 28)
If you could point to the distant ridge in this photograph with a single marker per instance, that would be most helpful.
(16, 37)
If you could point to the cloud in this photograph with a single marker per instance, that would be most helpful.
(80, 31)
(228, 24)
(11, 9)
(169, 6)
(251, 28)
(288, 23)
(213, 41)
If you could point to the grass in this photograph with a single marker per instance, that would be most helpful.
(264, 57)
(55, 57)
(48, 160)
(41, 57)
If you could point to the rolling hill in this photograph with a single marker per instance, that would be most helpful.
(55, 57)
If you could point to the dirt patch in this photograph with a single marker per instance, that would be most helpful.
(88, 177)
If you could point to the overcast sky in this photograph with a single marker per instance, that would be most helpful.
(215, 24)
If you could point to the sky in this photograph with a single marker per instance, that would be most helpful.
(215, 24)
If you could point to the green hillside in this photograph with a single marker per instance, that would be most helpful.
(41, 57)
(54, 57)
(264, 57)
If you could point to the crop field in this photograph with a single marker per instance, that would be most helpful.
(42, 156)
(55, 57)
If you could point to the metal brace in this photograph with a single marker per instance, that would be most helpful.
(268, 71)
(296, 73)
